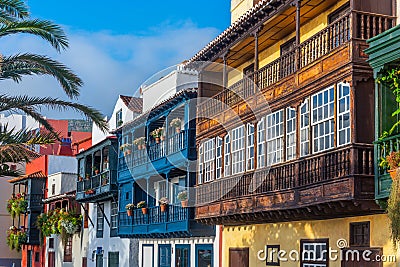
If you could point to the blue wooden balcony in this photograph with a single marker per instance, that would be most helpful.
(156, 157)
(98, 187)
(174, 222)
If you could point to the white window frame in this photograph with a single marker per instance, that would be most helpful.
(274, 131)
(261, 144)
(201, 161)
(209, 160)
(320, 121)
(250, 153)
(291, 134)
(341, 114)
(227, 155)
(238, 149)
(313, 259)
(218, 158)
(305, 129)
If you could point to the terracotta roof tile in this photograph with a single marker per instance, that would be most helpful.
(38, 174)
(134, 104)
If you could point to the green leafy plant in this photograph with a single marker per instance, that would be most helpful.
(59, 222)
(125, 147)
(163, 201)
(182, 196)
(141, 204)
(157, 133)
(15, 238)
(177, 123)
(17, 205)
(139, 141)
(393, 160)
(392, 80)
(130, 206)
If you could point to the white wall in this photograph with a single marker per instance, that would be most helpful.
(180, 241)
(108, 244)
(167, 86)
(127, 115)
(18, 122)
(64, 183)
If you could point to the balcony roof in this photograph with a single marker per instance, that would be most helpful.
(38, 174)
(173, 100)
(70, 195)
(134, 104)
(106, 141)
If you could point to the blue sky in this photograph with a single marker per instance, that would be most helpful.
(115, 49)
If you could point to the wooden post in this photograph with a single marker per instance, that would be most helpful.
(298, 14)
(225, 71)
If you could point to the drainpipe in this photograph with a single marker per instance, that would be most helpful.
(221, 228)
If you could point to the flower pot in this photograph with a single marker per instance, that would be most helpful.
(144, 211)
(178, 129)
(96, 172)
(139, 147)
(157, 140)
(162, 138)
(393, 173)
(129, 212)
(184, 203)
(80, 178)
(163, 208)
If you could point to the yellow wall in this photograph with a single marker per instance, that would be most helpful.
(239, 7)
(288, 236)
(273, 52)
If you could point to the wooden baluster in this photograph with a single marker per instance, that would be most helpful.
(379, 25)
(362, 26)
(371, 162)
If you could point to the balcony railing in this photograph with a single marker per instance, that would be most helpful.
(100, 183)
(344, 162)
(34, 201)
(155, 151)
(155, 219)
(336, 34)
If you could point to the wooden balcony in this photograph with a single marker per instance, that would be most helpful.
(383, 148)
(174, 222)
(103, 186)
(324, 55)
(335, 183)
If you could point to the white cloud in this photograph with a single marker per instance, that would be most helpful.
(109, 64)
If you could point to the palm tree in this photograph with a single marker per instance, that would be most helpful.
(15, 19)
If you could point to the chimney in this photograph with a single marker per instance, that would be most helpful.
(65, 149)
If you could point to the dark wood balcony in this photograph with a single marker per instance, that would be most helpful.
(98, 187)
(339, 182)
(323, 55)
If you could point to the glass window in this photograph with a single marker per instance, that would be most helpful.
(100, 221)
(113, 259)
(238, 150)
(218, 173)
(118, 118)
(261, 144)
(304, 129)
(274, 131)
(68, 250)
(343, 115)
(209, 160)
(182, 256)
(314, 253)
(323, 125)
(290, 133)
(114, 218)
(250, 147)
(204, 255)
(227, 155)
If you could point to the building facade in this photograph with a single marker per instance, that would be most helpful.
(285, 131)
(156, 164)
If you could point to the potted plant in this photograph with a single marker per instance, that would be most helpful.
(126, 148)
(393, 162)
(89, 192)
(95, 170)
(80, 178)
(162, 133)
(156, 134)
(142, 205)
(87, 176)
(140, 142)
(183, 197)
(17, 205)
(15, 238)
(104, 179)
(393, 210)
(129, 208)
(163, 204)
(177, 123)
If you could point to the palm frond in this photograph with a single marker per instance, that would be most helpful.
(44, 29)
(16, 66)
(26, 137)
(35, 104)
(14, 8)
